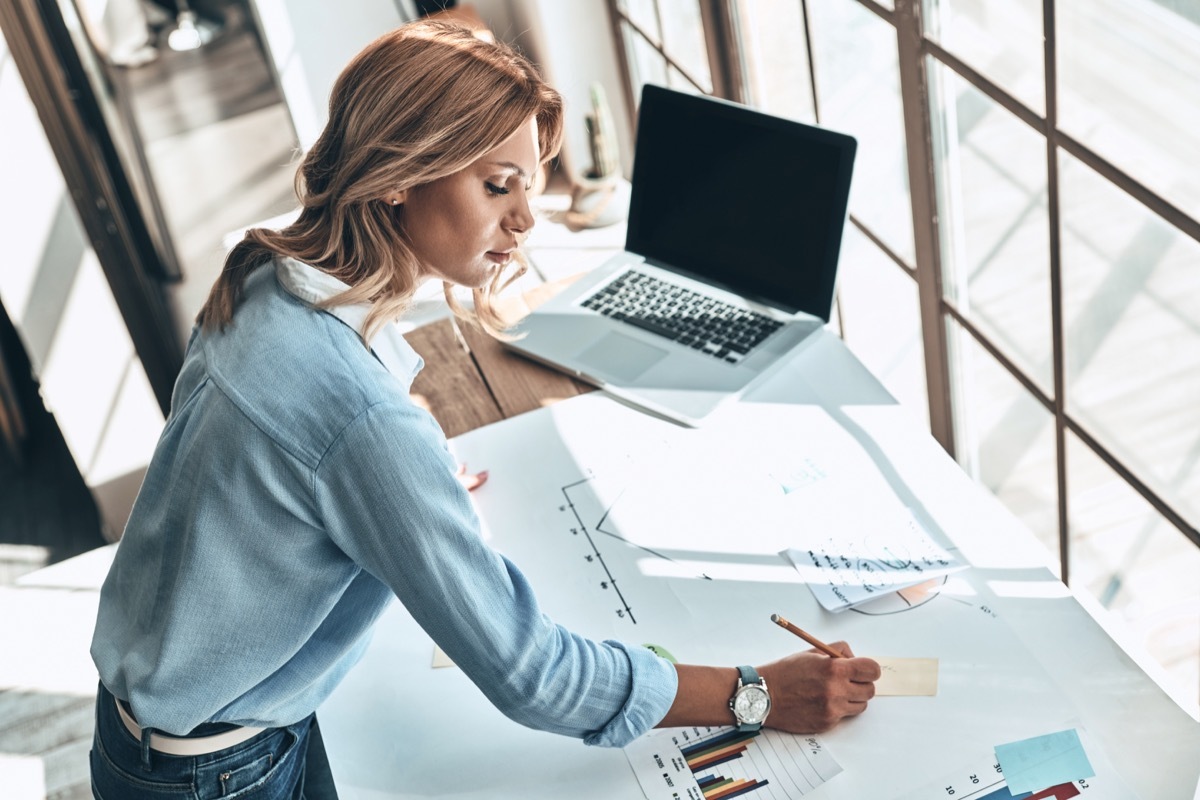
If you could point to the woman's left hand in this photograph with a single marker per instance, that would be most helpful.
(471, 481)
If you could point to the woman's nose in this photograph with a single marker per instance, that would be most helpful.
(520, 217)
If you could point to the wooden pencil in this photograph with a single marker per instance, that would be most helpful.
(808, 637)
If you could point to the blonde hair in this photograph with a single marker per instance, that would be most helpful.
(418, 104)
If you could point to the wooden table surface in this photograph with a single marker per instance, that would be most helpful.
(471, 380)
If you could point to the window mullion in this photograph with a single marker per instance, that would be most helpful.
(918, 134)
(615, 19)
(724, 50)
(1056, 320)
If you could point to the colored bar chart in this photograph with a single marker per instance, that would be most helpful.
(719, 788)
(1062, 792)
(723, 763)
(714, 752)
(984, 780)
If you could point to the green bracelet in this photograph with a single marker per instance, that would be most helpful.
(661, 652)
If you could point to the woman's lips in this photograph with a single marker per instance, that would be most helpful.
(499, 258)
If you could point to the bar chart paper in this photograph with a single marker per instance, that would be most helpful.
(722, 763)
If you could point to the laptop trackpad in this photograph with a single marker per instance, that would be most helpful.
(622, 357)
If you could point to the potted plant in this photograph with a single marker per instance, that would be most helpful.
(600, 196)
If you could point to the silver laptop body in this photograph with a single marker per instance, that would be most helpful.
(737, 206)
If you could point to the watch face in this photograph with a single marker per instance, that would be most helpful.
(751, 704)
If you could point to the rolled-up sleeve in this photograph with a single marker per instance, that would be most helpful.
(389, 498)
(654, 683)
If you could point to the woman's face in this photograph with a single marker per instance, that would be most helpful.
(465, 227)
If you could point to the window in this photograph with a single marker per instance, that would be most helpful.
(1025, 206)
(665, 44)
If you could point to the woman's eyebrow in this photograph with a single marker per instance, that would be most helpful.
(510, 165)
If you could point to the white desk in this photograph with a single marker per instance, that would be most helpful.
(396, 728)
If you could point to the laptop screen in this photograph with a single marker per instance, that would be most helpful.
(747, 201)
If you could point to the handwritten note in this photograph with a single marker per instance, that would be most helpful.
(852, 564)
(1031, 765)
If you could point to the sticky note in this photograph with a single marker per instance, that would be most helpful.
(907, 677)
(440, 659)
(1031, 765)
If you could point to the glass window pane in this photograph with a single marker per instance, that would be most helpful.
(1004, 436)
(858, 91)
(1136, 564)
(677, 80)
(1131, 316)
(993, 220)
(1129, 88)
(880, 320)
(645, 63)
(1003, 41)
(775, 57)
(683, 39)
(642, 12)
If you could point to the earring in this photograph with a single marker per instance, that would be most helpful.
(395, 202)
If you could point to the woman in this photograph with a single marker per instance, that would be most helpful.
(296, 488)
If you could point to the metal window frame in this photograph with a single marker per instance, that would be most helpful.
(914, 49)
(1057, 141)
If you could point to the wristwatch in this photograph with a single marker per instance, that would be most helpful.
(750, 703)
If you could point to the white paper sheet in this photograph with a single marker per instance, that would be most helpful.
(630, 528)
(865, 554)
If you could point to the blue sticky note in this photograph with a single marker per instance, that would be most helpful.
(1034, 764)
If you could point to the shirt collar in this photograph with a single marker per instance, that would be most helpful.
(311, 285)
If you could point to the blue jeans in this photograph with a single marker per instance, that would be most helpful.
(270, 766)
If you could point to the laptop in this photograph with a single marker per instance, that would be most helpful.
(730, 259)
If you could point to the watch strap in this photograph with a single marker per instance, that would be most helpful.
(747, 676)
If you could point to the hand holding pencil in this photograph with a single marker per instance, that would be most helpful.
(812, 691)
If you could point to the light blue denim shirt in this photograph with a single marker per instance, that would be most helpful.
(295, 490)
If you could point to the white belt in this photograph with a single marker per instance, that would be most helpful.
(197, 746)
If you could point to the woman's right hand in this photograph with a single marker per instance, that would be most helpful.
(811, 692)
(471, 481)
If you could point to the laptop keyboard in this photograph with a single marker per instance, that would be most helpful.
(707, 325)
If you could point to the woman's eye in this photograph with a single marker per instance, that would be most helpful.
(494, 189)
